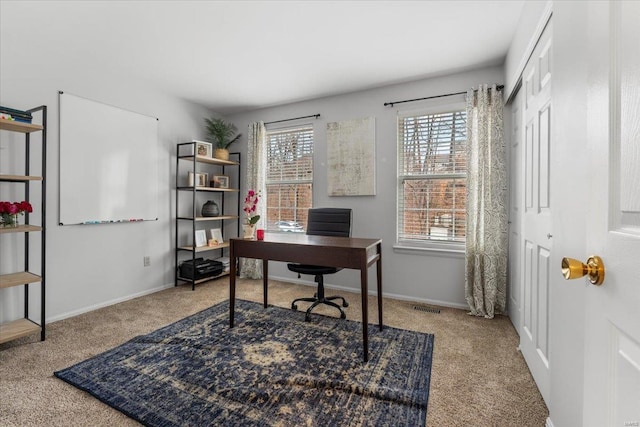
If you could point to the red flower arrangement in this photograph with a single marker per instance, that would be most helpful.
(250, 206)
(10, 210)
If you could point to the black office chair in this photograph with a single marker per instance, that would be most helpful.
(323, 222)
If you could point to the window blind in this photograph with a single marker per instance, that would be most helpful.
(432, 168)
(290, 155)
(289, 178)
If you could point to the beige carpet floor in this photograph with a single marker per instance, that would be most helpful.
(479, 378)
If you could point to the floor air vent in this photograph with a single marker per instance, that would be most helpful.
(426, 309)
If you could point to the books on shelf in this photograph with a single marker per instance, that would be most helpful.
(225, 263)
(17, 115)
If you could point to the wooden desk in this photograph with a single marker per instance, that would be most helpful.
(345, 252)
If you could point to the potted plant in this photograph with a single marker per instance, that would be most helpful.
(221, 134)
(251, 209)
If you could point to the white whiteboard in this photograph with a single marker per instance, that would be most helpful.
(108, 163)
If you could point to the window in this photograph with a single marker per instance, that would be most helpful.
(432, 179)
(289, 178)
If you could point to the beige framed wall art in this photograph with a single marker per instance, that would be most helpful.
(351, 157)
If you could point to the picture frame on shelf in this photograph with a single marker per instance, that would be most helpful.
(204, 149)
(201, 179)
(201, 238)
(216, 237)
(220, 181)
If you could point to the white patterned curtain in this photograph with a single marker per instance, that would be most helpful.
(486, 241)
(256, 149)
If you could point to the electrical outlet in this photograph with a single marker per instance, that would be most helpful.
(147, 261)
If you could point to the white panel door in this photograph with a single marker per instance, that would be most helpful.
(537, 236)
(515, 213)
(612, 324)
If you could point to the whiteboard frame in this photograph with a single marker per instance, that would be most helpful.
(108, 162)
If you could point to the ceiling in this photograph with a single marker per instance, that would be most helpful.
(234, 56)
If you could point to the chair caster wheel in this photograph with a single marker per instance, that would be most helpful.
(307, 318)
(345, 304)
(294, 307)
(343, 316)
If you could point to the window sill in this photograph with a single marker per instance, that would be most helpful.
(276, 231)
(457, 252)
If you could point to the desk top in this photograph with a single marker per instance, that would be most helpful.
(305, 239)
(302, 248)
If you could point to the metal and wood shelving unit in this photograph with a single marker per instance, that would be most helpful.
(187, 199)
(25, 326)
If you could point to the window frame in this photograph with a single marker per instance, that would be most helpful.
(444, 246)
(283, 129)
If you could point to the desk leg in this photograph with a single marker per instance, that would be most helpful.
(365, 309)
(232, 285)
(265, 279)
(379, 270)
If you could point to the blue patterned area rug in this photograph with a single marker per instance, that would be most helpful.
(271, 369)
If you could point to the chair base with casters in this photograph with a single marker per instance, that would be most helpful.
(319, 297)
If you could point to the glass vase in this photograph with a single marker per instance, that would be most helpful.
(248, 231)
(9, 220)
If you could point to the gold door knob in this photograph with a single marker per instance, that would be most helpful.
(574, 269)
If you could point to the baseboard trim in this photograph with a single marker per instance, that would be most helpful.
(372, 292)
(281, 279)
(107, 303)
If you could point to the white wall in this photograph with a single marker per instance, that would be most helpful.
(95, 265)
(421, 276)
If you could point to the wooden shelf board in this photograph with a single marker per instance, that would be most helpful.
(209, 218)
(15, 126)
(206, 279)
(19, 178)
(216, 218)
(16, 329)
(217, 189)
(204, 248)
(221, 190)
(211, 160)
(17, 279)
(24, 228)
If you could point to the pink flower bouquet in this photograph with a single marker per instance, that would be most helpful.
(251, 206)
(10, 210)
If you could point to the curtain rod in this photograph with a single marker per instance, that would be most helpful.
(295, 118)
(390, 104)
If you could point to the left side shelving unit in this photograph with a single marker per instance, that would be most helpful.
(25, 326)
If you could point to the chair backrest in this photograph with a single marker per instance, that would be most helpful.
(329, 222)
